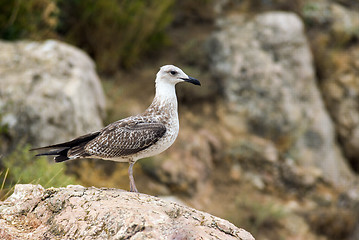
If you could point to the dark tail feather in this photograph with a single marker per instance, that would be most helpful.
(53, 152)
(60, 151)
(72, 143)
(60, 154)
(61, 158)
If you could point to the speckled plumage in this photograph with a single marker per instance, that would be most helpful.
(135, 137)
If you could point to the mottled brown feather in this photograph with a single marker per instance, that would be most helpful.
(124, 138)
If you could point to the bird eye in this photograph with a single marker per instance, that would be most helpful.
(173, 73)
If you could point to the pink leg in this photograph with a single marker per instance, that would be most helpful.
(132, 180)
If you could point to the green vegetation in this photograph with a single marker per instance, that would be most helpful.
(21, 166)
(116, 33)
(4, 129)
(34, 19)
(258, 216)
(264, 215)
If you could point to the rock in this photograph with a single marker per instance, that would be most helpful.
(336, 222)
(341, 22)
(268, 78)
(340, 89)
(338, 67)
(334, 31)
(49, 92)
(76, 212)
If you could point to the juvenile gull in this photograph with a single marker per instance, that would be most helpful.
(135, 137)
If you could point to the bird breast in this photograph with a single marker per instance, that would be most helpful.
(165, 113)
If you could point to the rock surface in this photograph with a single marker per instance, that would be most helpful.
(40, 100)
(341, 22)
(77, 212)
(338, 68)
(268, 77)
(341, 92)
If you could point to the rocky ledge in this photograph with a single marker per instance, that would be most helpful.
(76, 212)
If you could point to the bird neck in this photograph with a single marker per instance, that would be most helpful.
(165, 92)
(164, 105)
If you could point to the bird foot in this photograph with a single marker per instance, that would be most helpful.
(133, 188)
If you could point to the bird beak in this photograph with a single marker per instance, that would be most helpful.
(192, 80)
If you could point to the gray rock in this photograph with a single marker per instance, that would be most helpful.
(77, 212)
(266, 67)
(49, 92)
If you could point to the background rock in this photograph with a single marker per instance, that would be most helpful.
(341, 92)
(338, 67)
(49, 92)
(266, 66)
(226, 161)
(76, 212)
(342, 23)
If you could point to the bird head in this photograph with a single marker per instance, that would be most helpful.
(172, 74)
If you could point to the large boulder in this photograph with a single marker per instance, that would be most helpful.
(77, 212)
(49, 92)
(265, 67)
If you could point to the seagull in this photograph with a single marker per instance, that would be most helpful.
(135, 137)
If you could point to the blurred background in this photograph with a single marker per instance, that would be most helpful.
(269, 142)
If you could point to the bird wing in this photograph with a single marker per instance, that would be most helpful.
(124, 138)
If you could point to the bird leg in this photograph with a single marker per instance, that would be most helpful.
(132, 180)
